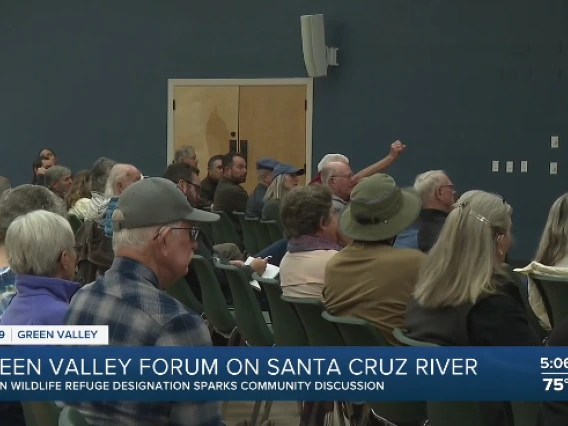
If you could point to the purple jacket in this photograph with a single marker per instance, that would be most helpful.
(39, 301)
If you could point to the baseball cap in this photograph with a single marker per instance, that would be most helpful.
(156, 201)
(267, 164)
(281, 169)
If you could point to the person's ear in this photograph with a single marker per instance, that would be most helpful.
(500, 244)
(65, 261)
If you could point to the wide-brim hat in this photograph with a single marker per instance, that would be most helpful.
(379, 210)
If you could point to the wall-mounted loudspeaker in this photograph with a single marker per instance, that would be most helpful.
(317, 55)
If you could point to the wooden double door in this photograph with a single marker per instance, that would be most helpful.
(256, 121)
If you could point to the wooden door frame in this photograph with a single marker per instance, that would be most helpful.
(308, 82)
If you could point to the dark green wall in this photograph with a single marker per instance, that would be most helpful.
(461, 82)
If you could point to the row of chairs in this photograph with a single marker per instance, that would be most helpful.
(304, 322)
(256, 234)
(48, 414)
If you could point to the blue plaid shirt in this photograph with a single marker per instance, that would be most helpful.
(128, 299)
(7, 288)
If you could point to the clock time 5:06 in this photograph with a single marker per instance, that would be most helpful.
(553, 363)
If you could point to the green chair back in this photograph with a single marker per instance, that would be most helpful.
(407, 341)
(455, 413)
(533, 319)
(554, 293)
(249, 235)
(75, 223)
(207, 229)
(44, 413)
(274, 230)
(286, 325)
(71, 417)
(224, 230)
(214, 304)
(182, 293)
(251, 322)
(526, 413)
(355, 331)
(319, 331)
(261, 232)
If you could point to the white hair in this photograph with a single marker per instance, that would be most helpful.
(135, 238)
(426, 183)
(116, 175)
(332, 158)
(35, 242)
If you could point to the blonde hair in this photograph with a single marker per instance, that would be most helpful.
(276, 190)
(462, 265)
(554, 241)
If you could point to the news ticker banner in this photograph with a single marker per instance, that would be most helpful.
(283, 373)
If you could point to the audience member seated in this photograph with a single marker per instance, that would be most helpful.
(285, 179)
(230, 196)
(264, 175)
(121, 176)
(58, 179)
(438, 196)
(99, 175)
(41, 250)
(186, 155)
(338, 177)
(79, 196)
(13, 203)
(369, 278)
(209, 184)
(465, 296)
(379, 167)
(556, 413)
(39, 167)
(153, 238)
(552, 254)
(187, 180)
(4, 184)
(311, 225)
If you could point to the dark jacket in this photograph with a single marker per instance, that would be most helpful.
(230, 197)
(495, 320)
(431, 224)
(271, 210)
(208, 188)
(206, 250)
(255, 202)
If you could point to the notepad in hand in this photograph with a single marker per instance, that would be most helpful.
(271, 272)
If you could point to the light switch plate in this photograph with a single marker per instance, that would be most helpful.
(509, 168)
(554, 141)
(495, 166)
(524, 166)
(553, 168)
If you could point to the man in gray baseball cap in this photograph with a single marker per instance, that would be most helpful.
(154, 238)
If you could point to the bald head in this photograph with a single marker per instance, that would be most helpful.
(121, 177)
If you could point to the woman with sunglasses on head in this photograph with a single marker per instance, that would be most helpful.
(465, 295)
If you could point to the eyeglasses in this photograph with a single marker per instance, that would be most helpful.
(344, 176)
(196, 186)
(193, 232)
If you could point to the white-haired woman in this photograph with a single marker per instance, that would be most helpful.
(464, 295)
(284, 178)
(553, 252)
(41, 251)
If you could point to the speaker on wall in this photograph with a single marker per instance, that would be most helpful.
(317, 55)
